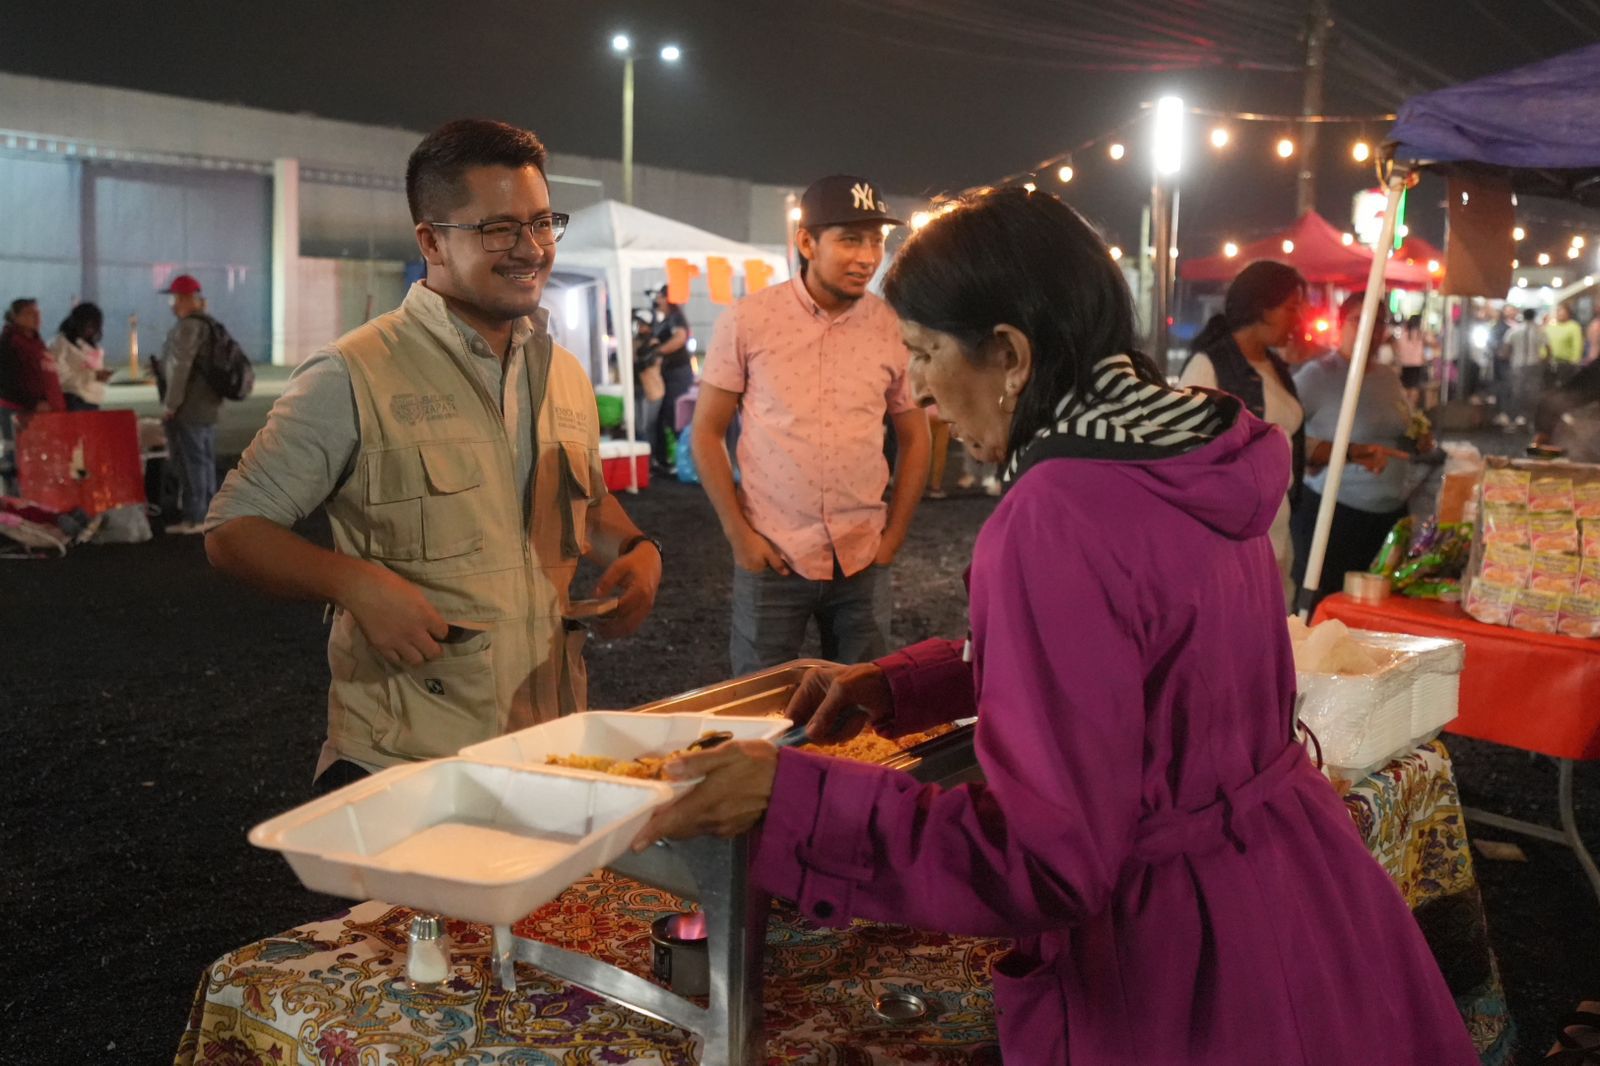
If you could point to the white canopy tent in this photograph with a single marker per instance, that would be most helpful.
(613, 240)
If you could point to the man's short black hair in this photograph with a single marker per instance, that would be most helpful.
(433, 175)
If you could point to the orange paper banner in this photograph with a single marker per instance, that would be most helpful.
(757, 275)
(680, 272)
(719, 276)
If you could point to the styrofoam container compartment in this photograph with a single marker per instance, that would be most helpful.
(619, 735)
(468, 840)
(1363, 720)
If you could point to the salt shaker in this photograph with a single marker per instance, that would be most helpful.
(427, 960)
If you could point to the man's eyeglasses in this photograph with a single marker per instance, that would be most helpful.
(501, 235)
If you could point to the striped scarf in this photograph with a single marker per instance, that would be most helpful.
(1132, 420)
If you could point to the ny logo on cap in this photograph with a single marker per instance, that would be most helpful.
(863, 196)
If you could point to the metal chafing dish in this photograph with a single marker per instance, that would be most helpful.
(714, 873)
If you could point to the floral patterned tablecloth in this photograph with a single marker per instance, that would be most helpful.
(333, 993)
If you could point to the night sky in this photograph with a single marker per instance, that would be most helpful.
(924, 97)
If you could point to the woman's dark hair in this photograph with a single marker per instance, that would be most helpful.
(19, 305)
(83, 323)
(1026, 260)
(433, 174)
(1254, 291)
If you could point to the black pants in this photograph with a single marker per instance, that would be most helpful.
(340, 772)
(1353, 541)
(678, 380)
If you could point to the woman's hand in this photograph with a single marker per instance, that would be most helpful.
(1374, 457)
(731, 799)
(839, 701)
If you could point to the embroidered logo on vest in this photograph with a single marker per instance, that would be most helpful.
(411, 408)
(569, 421)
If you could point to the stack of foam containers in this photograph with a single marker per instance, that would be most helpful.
(1361, 721)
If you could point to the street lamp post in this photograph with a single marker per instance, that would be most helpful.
(1168, 156)
(623, 46)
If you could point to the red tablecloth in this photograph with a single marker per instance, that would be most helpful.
(1534, 691)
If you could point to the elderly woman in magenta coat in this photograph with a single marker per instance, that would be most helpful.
(1180, 883)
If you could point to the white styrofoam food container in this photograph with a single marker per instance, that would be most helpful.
(618, 735)
(1363, 720)
(469, 840)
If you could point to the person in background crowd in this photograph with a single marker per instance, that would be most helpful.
(1499, 361)
(29, 380)
(80, 359)
(647, 382)
(1592, 340)
(669, 341)
(1234, 352)
(1375, 484)
(1411, 355)
(1179, 883)
(456, 451)
(1563, 347)
(190, 405)
(813, 366)
(1524, 381)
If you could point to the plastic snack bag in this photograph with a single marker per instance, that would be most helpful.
(1547, 494)
(1553, 533)
(1536, 612)
(1580, 616)
(1506, 486)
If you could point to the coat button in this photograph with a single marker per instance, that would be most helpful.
(822, 909)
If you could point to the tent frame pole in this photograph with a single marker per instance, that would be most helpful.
(1398, 180)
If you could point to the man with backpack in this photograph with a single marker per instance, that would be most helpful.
(191, 402)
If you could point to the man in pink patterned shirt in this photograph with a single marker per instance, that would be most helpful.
(814, 366)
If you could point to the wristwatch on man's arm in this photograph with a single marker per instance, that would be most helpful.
(633, 542)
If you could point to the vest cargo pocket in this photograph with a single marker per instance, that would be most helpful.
(441, 706)
(573, 693)
(396, 484)
(450, 524)
(576, 498)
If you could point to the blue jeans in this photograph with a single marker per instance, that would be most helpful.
(771, 612)
(193, 450)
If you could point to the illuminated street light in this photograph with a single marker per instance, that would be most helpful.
(1288, 246)
(1117, 150)
(1065, 173)
(1230, 249)
(1219, 137)
(1361, 151)
(671, 53)
(1169, 136)
(621, 44)
(1285, 148)
(1517, 233)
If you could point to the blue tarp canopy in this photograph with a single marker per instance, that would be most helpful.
(1541, 122)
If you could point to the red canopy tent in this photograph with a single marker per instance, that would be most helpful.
(1318, 252)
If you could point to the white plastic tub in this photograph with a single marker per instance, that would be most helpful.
(618, 735)
(1364, 720)
(465, 839)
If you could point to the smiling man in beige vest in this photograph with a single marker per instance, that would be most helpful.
(457, 451)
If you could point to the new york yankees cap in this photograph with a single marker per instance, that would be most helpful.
(841, 199)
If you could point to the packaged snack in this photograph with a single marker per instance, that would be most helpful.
(1506, 486)
(1490, 604)
(1586, 499)
(1591, 537)
(1555, 573)
(1506, 566)
(1536, 612)
(1444, 589)
(1580, 616)
(1553, 533)
(1393, 550)
(1589, 578)
(1550, 494)
(1504, 524)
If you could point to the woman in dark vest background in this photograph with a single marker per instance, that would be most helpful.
(1233, 353)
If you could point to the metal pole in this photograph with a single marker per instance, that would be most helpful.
(1352, 394)
(627, 130)
(1311, 104)
(1164, 223)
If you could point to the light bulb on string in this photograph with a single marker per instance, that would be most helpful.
(1361, 151)
(1288, 246)
(1518, 233)
(1544, 259)
(1577, 240)
(1574, 252)
(919, 219)
(1064, 173)
(1030, 186)
(1219, 137)
(1285, 148)
(1116, 253)
(1117, 150)
(1230, 249)
(1347, 239)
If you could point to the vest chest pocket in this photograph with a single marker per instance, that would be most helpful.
(421, 502)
